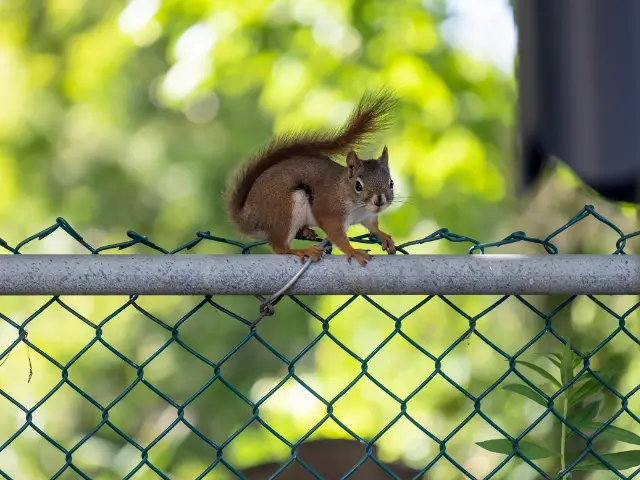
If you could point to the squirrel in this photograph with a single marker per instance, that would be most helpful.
(293, 184)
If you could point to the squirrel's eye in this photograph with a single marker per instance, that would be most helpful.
(358, 186)
(390, 183)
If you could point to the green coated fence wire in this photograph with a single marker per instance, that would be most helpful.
(575, 383)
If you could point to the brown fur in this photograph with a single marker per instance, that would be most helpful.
(369, 117)
(297, 167)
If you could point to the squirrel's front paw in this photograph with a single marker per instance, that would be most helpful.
(362, 256)
(388, 245)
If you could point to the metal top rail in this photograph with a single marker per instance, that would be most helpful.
(187, 274)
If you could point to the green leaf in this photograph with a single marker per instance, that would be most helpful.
(588, 389)
(553, 358)
(576, 360)
(555, 355)
(528, 449)
(540, 371)
(566, 364)
(615, 433)
(606, 375)
(619, 461)
(526, 391)
(579, 381)
(584, 414)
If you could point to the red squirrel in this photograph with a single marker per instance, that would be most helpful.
(293, 184)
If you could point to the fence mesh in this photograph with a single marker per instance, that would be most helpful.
(574, 383)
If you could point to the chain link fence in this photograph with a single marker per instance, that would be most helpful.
(562, 381)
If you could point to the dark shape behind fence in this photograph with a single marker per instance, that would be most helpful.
(332, 460)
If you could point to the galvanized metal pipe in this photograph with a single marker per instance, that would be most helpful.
(185, 274)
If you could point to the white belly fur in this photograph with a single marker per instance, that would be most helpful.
(301, 214)
(360, 216)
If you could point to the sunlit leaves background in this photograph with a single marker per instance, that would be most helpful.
(122, 116)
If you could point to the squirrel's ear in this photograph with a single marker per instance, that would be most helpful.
(353, 162)
(384, 157)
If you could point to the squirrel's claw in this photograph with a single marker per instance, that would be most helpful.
(362, 256)
(388, 245)
(313, 252)
(308, 233)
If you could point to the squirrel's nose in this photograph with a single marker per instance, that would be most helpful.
(377, 201)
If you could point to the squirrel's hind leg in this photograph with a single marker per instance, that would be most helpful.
(281, 245)
(284, 228)
(314, 252)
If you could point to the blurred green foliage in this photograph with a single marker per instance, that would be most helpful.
(131, 116)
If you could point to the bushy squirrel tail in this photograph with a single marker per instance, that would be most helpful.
(371, 115)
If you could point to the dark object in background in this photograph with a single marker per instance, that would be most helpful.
(579, 74)
(331, 459)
